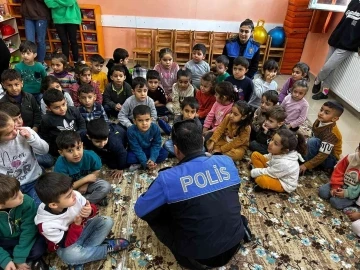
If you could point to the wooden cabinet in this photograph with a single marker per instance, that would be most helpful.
(90, 33)
(12, 40)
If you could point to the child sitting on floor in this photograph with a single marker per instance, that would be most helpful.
(232, 136)
(222, 63)
(98, 76)
(83, 76)
(13, 85)
(197, 66)
(156, 92)
(299, 72)
(70, 223)
(225, 98)
(181, 89)
(18, 146)
(189, 108)
(116, 92)
(268, 100)
(59, 65)
(344, 186)
(274, 121)
(120, 58)
(296, 106)
(264, 83)
(83, 166)
(144, 141)
(324, 148)
(279, 170)
(139, 97)
(206, 95)
(109, 142)
(89, 109)
(20, 243)
(51, 82)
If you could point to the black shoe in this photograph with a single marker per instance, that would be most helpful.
(319, 96)
(103, 202)
(258, 188)
(316, 88)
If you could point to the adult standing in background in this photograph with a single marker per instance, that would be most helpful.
(66, 16)
(36, 15)
(344, 41)
(243, 45)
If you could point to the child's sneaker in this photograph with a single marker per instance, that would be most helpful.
(134, 167)
(116, 244)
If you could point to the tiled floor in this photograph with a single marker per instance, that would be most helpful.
(349, 122)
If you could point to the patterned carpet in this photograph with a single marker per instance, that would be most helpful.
(296, 231)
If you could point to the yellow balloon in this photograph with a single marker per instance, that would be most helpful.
(260, 34)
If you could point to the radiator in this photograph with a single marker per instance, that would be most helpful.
(346, 81)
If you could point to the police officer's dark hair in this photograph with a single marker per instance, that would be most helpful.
(187, 137)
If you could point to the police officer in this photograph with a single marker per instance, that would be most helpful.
(194, 207)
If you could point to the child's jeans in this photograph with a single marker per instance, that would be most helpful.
(132, 158)
(37, 250)
(97, 191)
(169, 146)
(265, 181)
(46, 161)
(37, 27)
(337, 203)
(89, 247)
(313, 146)
(29, 189)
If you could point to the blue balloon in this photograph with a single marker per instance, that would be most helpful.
(278, 36)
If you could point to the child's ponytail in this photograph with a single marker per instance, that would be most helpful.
(292, 141)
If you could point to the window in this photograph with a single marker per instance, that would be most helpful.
(330, 5)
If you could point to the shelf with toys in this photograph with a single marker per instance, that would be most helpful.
(9, 33)
(89, 35)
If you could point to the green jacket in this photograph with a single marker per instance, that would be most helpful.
(64, 11)
(18, 223)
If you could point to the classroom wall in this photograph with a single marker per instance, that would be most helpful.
(316, 46)
(273, 12)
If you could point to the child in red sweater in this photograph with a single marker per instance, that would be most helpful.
(344, 186)
(206, 95)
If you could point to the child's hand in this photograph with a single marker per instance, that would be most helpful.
(332, 192)
(91, 177)
(116, 174)
(353, 216)
(35, 129)
(23, 266)
(83, 188)
(168, 98)
(118, 107)
(210, 146)
(288, 126)
(205, 130)
(302, 169)
(265, 128)
(10, 266)
(86, 210)
(216, 150)
(340, 193)
(151, 164)
(78, 220)
(24, 132)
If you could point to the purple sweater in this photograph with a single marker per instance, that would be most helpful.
(286, 89)
(167, 76)
(296, 111)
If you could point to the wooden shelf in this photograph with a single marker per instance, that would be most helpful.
(9, 36)
(54, 43)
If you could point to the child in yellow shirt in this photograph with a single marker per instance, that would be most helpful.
(98, 76)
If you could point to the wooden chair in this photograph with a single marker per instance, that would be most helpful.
(206, 39)
(264, 51)
(163, 39)
(217, 46)
(182, 47)
(143, 49)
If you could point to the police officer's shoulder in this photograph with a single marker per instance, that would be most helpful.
(165, 168)
(255, 42)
